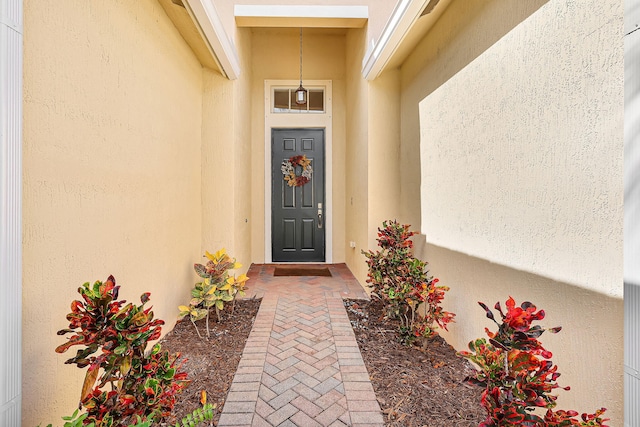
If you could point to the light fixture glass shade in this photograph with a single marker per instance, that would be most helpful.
(301, 95)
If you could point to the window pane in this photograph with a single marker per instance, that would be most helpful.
(284, 101)
(281, 99)
(316, 100)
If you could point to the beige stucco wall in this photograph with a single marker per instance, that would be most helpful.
(521, 182)
(462, 33)
(218, 167)
(112, 118)
(276, 56)
(384, 167)
(243, 98)
(226, 159)
(356, 160)
(373, 154)
(534, 159)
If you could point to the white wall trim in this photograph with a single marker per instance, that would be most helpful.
(404, 15)
(301, 11)
(11, 34)
(208, 22)
(299, 120)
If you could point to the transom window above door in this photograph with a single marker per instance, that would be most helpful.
(284, 101)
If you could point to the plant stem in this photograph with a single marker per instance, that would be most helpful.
(194, 325)
(208, 334)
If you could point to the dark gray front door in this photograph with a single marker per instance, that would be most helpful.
(298, 217)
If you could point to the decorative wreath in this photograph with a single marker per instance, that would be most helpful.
(289, 171)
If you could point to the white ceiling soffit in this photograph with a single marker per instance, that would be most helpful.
(206, 18)
(402, 20)
(301, 16)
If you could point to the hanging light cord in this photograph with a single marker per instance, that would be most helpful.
(301, 93)
(300, 56)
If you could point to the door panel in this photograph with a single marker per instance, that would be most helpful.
(297, 231)
(288, 235)
(308, 233)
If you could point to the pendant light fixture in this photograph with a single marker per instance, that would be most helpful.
(301, 92)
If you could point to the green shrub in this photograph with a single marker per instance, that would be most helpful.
(404, 284)
(217, 288)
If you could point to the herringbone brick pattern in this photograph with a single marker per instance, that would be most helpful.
(301, 365)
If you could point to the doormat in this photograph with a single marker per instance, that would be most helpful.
(302, 271)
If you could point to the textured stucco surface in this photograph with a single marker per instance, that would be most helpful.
(373, 155)
(218, 165)
(522, 149)
(463, 32)
(112, 120)
(226, 172)
(357, 166)
(384, 166)
(242, 155)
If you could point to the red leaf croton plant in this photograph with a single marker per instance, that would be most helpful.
(517, 372)
(403, 283)
(113, 339)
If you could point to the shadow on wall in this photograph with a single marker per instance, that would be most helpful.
(632, 214)
(632, 153)
(463, 33)
(588, 350)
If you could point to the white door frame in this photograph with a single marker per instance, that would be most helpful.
(292, 121)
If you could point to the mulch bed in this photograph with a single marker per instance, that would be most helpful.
(210, 363)
(415, 387)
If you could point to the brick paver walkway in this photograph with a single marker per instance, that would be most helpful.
(301, 365)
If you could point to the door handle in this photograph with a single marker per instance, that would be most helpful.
(319, 218)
